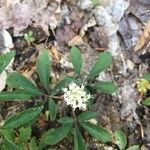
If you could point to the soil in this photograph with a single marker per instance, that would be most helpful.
(106, 33)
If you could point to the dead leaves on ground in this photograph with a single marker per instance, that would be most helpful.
(144, 38)
(54, 52)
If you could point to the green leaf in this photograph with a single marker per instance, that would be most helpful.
(14, 96)
(146, 101)
(30, 33)
(85, 116)
(62, 83)
(52, 109)
(5, 60)
(10, 145)
(43, 68)
(53, 136)
(22, 117)
(24, 135)
(103, 62)
(134, 147)
(90, 103)
(79, 143)
(121, 139)
(65, 120)
(98, 133)
(106, 87)
(95, 2)
(18, 81)
(33, 144)
(8, 134)
(146, 76)
(76, 59)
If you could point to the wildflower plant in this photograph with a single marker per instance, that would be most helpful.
(29, 37)
(95, 2)
(76, 93)
(76, 96)
(143, 85)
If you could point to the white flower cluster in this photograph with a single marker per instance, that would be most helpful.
(75, 96)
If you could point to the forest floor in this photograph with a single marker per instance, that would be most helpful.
(121, 27)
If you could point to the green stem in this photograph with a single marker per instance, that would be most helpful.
(57, 97)
(74, 116)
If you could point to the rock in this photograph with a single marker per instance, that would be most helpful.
(98, 37)
(116, 8)
(103, 18)
(5, 40)
(85, 5)
(3, 77)
(127, 97)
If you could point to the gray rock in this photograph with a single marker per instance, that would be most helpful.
(5, 40)
(85, 5)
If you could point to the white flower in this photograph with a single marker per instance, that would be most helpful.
(75, 96)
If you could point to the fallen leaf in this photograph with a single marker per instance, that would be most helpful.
(76, 41)
(62, 39)
(54, 52)
(91, 22)
(98, 38)
(42, 120)
(28, 72)
(144, 38)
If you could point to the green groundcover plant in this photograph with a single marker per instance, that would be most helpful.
(75, 91)
(143, 86)
(29, 37)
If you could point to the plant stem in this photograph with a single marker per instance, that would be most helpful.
(54, 97)
(57, 97)
(74, 115)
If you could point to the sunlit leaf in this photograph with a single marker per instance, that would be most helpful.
(103, 62)
(18, 81)
(85, 116)
(15, 96)
(24, 135)
(53, 136)
(22, 117)
(52, 109)
(134, 147)
(97, 132)
(8, 134)
(33, 144)
(121, 139)
(146, 101)
(62, 83)
(79, 143)
(95, 2)
(65, 120)
(146, 76)
(106, 87)
(76, 59)
(8, 145)
(43, 68)
(5, 59)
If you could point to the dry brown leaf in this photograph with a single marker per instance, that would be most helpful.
(54, 52)
(144, 38)
(27, 72)
(77, 40)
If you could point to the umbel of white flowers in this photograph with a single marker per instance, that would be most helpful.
(75, 96)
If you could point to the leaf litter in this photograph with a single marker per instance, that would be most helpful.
(114, 26)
